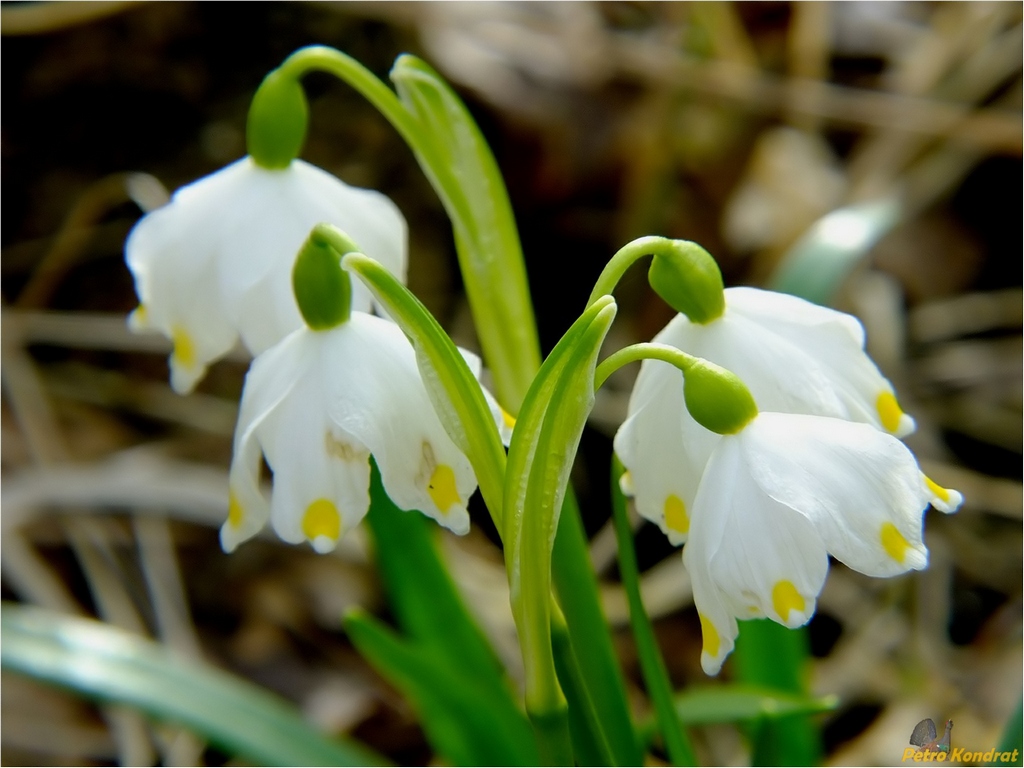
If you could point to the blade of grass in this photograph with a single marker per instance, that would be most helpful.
(111, 665)
(463, 720)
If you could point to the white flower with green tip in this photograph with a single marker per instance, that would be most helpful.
(215, 263)
(318, 405)
(782, 494)
(795, 357)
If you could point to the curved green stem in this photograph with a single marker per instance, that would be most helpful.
(643, 351)
(452, 153)
(319, 58)
(623, 259)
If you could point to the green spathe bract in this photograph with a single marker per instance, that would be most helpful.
(688, 279)
(716, 398)
(323, 290)
(277, 122)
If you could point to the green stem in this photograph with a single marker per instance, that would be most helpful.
(638, 352)
(318, 58)
(623, 259)
(651, 662)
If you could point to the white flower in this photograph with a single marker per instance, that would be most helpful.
(780, 496)
(794, 356)
(317, 405)
(216, 262)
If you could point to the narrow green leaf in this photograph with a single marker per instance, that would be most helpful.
(109, 664)
(769, 654)
(454, 391)
(540, 457)
(466, 177)
(589, 742)
(732, 703)
(422, 594)
(817, 264)
(659, 687)
(590, 636)
(463, 721)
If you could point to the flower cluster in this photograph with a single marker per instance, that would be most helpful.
(817, 469)
(331, 385)
(779, 447)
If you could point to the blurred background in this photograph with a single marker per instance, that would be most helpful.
(742, 126)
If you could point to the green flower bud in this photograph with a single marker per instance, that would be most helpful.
(716, 398)
(323, 290)
(688, 279)
(278, 118)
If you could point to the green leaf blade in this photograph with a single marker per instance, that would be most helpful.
(463, 720)
(109, 664)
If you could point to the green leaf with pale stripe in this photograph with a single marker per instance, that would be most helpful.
(109, 664)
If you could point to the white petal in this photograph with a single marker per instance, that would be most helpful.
(271, 378)
(321, 473)
(265, 227)
(248, 510)
(764, 558)
(824, 346)
(379, 398)
(178, 294)
(664, 466)
(787, 314)
(860, 488)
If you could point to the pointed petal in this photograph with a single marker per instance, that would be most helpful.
(764, 558)
(321, 473)
(271, 378)
(178, 294)
(378, 397)
(860, 488)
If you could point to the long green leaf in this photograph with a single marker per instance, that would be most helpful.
(109, 664)
(422, 594)
(769, 654)
(733, 703)
(576, 585)
(467, 178)
(540, 456)
(463, 720)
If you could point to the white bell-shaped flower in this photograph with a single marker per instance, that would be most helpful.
(317, 406)
(795, 357)
(215, 263)
(780, 496)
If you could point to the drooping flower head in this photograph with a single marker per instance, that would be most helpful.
(214, 264)
(794, 356)
(318, 404)
(779, 497)
(783, 453)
